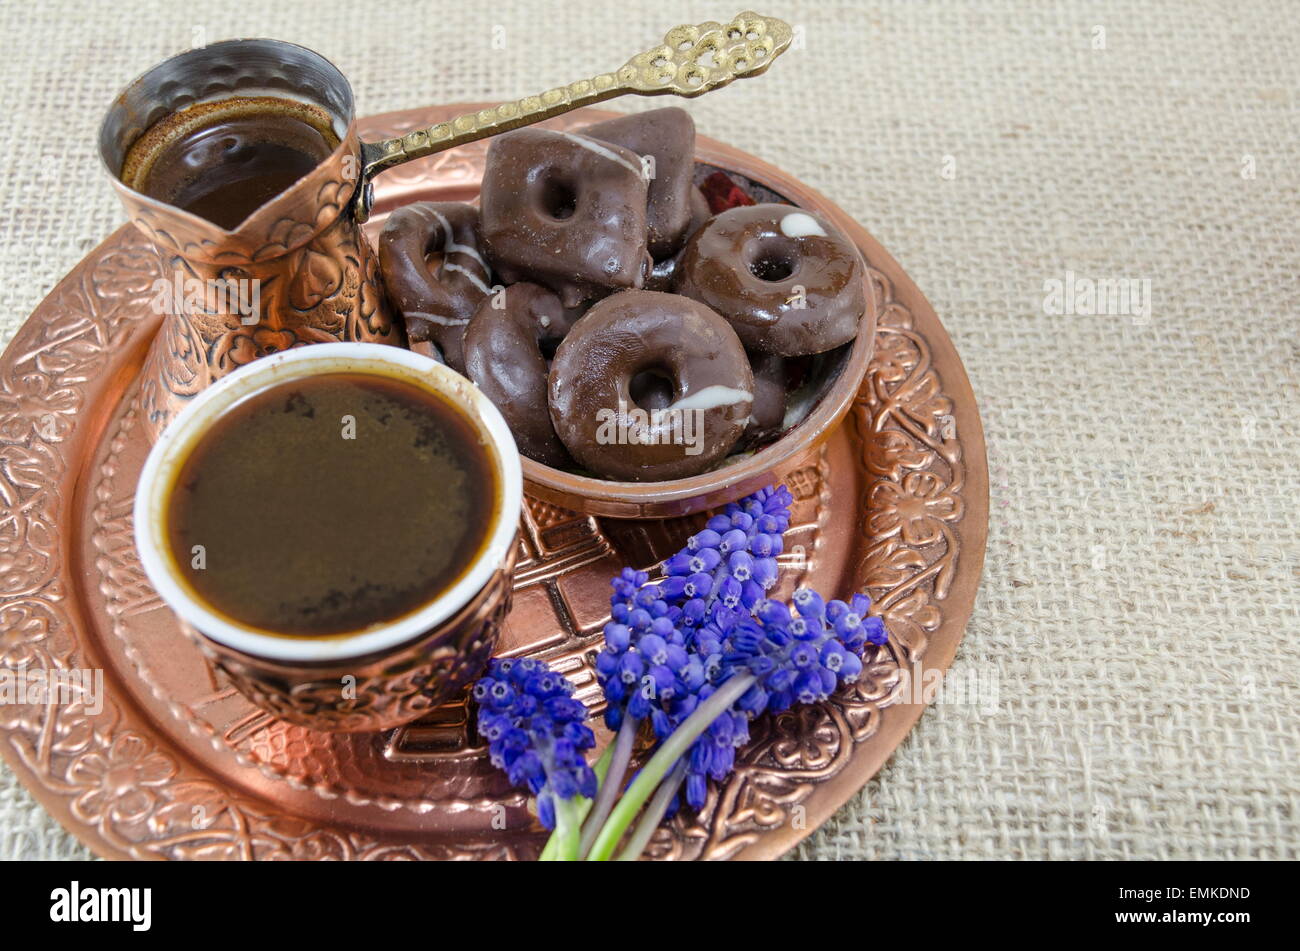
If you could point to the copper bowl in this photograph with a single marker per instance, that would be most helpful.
(733, 480)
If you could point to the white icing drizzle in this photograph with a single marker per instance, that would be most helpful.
(799, 225)
(594, 146)
(474, 278)
(439, 319)
(711, 397)
(450, 247)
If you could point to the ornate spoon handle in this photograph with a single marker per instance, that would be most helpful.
(691, 61)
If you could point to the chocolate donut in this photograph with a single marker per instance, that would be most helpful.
(435, 307)
(767, 416)
(503, 356)
(632, 338)
(788, 282)
(667, 138)
(566, 211)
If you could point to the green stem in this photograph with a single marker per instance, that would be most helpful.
(552, 846)
(674, 748)
(584, 805)
(620, 752)
(653, 815)
(567, 827)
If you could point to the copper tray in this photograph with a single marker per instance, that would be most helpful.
(178, 765)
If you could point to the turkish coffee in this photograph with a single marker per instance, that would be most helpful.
(329, 504)
(223, 161)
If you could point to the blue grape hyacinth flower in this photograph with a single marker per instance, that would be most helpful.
(695, 655)
(536, 732)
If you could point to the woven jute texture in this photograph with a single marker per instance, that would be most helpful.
(1138, 613)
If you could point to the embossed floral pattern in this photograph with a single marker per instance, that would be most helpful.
(22, 634)
(896, 353)
(892, 453)
(914, 508)
(122, 782)
(33, 404)
(910, 621)
(808, 738)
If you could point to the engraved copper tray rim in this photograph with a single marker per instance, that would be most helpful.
(916, 422)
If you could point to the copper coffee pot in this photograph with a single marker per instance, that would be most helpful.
(316, 276)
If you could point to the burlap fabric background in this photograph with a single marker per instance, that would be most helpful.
(1139, 606)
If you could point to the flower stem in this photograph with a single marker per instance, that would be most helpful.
(653, 815)
(611, 782)
(672, 749)
(584, 805)
(567, 827)
(552, 846)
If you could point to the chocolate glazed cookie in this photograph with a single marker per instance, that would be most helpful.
(666, 136)
(788, 283)
(435, 307)
(503, 356)
(566, 211)
(639, 343)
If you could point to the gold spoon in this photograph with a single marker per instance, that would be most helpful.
(691, 61)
